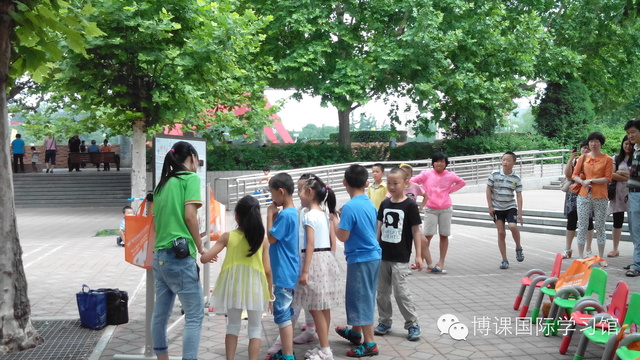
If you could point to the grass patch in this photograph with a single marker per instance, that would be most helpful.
(108, 232)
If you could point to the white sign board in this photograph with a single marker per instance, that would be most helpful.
(162, 144)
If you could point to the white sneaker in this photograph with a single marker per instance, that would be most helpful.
(305, 337)
(588, 254)
(318, 354)
(277, 346)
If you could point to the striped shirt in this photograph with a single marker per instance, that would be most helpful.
(634, 179)
(502, 188)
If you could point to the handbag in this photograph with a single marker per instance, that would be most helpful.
(611, 189)
(138, 248)
(117, 306)
(576, 186)
(612, 186)
(577, 274)
(92, 306)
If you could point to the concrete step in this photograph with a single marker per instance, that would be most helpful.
(537, 221)
(71, 189)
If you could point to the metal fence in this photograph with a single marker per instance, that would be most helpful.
(473, 169)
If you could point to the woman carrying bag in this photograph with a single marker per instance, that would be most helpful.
(618, 204)
(593, 172)
(176, 200)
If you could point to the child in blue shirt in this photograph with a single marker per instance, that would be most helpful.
(282, 231)
(357, 229)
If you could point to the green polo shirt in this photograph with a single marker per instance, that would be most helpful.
(168, 210)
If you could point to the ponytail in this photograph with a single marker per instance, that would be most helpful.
(174, 162)
(250, 222)
(322, 193)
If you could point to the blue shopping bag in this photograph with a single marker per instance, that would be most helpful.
(92, 306)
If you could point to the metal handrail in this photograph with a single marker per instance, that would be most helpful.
(474, 169)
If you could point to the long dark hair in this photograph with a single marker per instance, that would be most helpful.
(173, 162)
(250, 222)
(622, 154)
(322, 193)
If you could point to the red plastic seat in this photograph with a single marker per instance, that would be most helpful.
(538, 279)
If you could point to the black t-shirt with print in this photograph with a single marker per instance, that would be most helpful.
(396, 235)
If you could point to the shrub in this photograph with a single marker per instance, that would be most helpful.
(372, 136)
(498, 143)
(412, 151)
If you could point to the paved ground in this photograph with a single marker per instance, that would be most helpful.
(61, 253)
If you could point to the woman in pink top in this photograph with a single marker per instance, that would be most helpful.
(438, 183)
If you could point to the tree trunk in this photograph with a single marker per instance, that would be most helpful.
(16, 331)
(344, 136)
(139, 162)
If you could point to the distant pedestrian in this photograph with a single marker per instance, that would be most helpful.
(83, 149)
(18, 153)
(504, 207)
(106, 148)
(126, 211)
(632, 128)
(245, 280)
(34, 159)
(74, 148)
(50, 152)
(93, 148)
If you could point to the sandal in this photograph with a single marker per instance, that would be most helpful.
(437, 270)
(413, 267)
(567, 254)
(614, 253)
(633, 273)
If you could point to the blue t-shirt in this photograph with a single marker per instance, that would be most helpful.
(18, 146)
(285, 259)
(93, 149)
(359, 218)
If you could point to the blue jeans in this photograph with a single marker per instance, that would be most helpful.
(360, 294)
(177, 277)
(633, 212)
(282, 309)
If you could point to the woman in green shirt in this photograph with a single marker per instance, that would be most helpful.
(176, 200)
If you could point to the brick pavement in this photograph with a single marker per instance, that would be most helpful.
(61, 253)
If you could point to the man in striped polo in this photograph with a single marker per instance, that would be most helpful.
(633, 203)
(504, 206)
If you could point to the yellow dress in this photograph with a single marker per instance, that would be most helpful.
(242, 283)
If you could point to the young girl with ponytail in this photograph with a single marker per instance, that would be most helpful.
(319, 287)
(245, 279)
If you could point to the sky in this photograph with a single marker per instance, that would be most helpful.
(297, 114)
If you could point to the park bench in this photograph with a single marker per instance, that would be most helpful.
(95, 158)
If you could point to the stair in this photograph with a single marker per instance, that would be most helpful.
(536, 221)
(555, 184)
(72, 189)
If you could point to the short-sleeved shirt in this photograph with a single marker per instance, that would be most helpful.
(396, 235)
(169, 209)
(634, 170)
(412, 191)
(377, 193)
(105, 148)
(359, 218)
(18, 146)
(285, 258)
(319, 222)
(503, 187)
(93, 148)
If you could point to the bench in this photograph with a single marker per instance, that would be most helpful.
(95, 158)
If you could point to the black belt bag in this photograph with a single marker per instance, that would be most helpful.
(317, 249)
(181, 248)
